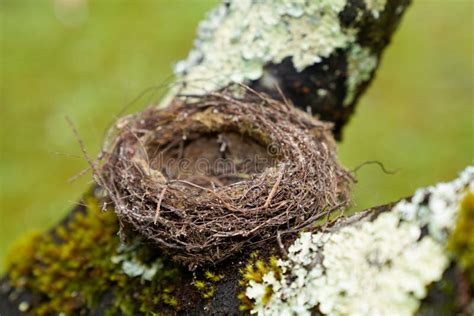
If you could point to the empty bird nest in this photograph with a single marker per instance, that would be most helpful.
(209, 175)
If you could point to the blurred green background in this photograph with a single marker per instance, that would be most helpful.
(88, 60)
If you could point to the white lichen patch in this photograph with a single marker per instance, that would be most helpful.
(240, 37)
(133, 267)
(23, 307)
(379, 267)
(360, 65)
(369, 269)
(375, 7)
(436, 207)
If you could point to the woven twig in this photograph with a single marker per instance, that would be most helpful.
(205, 223)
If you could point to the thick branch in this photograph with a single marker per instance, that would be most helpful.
(401, 256)
(322, 54)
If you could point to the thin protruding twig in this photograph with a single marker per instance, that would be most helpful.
(374, 162)
(78, 175)
(81, 143)
(282, 95)
(158, 206)
(275, 187)
(280, 244)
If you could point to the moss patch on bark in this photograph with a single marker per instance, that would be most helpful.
(71, 269)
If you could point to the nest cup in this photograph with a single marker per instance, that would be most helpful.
(208, 176)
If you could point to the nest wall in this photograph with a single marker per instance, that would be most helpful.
(284, 174)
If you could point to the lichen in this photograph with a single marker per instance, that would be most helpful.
(239, 38)
(436, 207)
(401, 252)
(69, 270)
(133, 266)
(375, 7)
(383, 251)
(253, 275)
(360, 64)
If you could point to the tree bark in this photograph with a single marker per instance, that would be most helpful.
(326, 83)
(451, 294)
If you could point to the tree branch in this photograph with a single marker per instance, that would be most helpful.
(322, 54)
(396, 258)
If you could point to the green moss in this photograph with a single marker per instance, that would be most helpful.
(205, 289)
(209, 293)
(71, 269)
(461, 242)
(441, 298)
(211, 276)
(254, 271)
(206, 286)
(331, 217)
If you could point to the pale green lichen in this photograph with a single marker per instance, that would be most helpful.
(133, 266)
(375, 7)
(437, 207)
(379, 267)
(360, 65)
(240, 37)
(383, 251)
(23, 307)
(253, 275)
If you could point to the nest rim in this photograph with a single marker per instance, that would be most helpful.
(216, 223)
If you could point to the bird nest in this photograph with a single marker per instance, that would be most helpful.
(209, 175)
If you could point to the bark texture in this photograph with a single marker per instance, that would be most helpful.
(451, 294)
(321, 54)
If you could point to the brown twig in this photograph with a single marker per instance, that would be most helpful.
(275, 186)
(158, 206)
